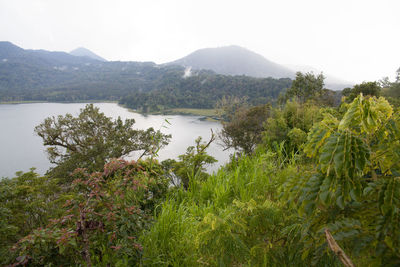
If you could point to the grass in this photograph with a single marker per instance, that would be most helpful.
(227, 219)
(194, 111)
(209, 114)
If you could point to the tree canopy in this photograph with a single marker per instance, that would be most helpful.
(204, 90)
(365, 88)
(306, 86)
(91, 139)
(243, 127)
(99, 220)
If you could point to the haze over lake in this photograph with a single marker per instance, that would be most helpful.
(21, 149)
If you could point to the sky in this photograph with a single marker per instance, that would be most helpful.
(355, 40)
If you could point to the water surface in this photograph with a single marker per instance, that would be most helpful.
(21, 149)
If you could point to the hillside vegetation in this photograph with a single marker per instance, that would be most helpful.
(204, 90)
(39, 75)
(316, 186)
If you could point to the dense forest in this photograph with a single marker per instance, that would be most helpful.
(312, 183)
(38, 75)
(204, 90)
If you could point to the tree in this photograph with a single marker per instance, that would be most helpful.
(191, 164)
(91, 139)
(355, 191)
(290, 125)
(243, 130)
(365, 88)
(27, 201)
(391, 90)
(227, 106)
(100, 224)
(306, 86)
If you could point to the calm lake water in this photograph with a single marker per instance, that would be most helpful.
(21, 149)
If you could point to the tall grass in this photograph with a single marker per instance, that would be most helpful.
(234, 218)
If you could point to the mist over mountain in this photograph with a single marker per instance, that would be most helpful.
(234, 60)
(83, 52)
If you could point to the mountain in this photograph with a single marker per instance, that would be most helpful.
(58, 76)
(40, 75)
(40, 58)
(234, 60)
(83, 52)
(7, 49)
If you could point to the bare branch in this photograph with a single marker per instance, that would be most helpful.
(337, 250)
(212, 138)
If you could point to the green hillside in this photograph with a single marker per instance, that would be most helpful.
(38, 75)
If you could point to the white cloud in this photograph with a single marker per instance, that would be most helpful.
(353, 39)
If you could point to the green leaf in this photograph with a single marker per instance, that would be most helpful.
(353, 195)
(324, 197)
(367, 190)
(340, 202)
(389, 242)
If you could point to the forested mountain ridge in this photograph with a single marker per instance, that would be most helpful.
(41, 75)
(12, 53)
(234, 60)
(59, 76)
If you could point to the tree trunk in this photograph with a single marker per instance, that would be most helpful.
(85, 239)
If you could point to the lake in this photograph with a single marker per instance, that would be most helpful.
(21, 149)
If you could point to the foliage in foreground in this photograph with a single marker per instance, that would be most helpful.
(234, 218)
(355, 191)
(240, 217)
(264, 209)
(27, 202)
(193, 162)
(101, 222)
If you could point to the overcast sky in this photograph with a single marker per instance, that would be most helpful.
(356, 40)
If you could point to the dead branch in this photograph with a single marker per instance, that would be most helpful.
(337, 250)
(212, 139)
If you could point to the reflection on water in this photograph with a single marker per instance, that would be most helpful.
(21, 149)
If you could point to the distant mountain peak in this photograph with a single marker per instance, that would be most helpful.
(7, 44)
(234, 60)
(9, 49)
(84, 52)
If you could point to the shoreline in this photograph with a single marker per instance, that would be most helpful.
(205, 114)
(60, 102)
